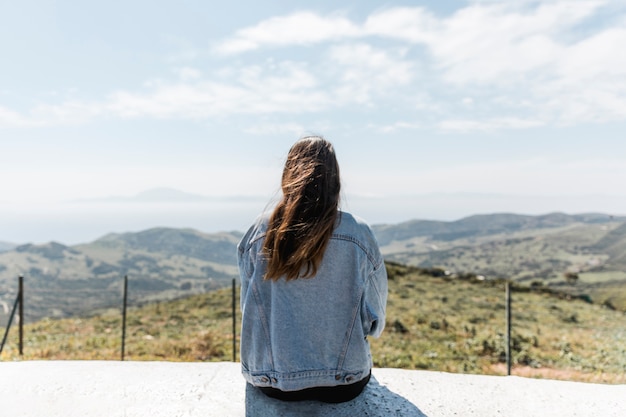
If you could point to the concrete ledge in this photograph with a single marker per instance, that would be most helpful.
(154, 389)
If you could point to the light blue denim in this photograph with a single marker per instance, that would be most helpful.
(312, 332)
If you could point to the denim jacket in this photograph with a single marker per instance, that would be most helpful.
(312, 332)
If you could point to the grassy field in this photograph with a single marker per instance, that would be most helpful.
(599, 277)
(433, 323)
(459, 326)
(197, 328)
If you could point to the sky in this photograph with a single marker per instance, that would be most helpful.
(437, 110)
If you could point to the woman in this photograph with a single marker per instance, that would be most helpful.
(313, 287)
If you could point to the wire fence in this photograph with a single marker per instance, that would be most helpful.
(128, 326)
(34, 296)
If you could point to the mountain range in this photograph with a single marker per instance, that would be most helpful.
(166, 263)
(511, 245)
(160, 263)
(483, 225)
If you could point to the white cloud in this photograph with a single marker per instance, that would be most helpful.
(66, 113)
(296, 29)
(596, 56)
(188, 73)
(397, 126)
(536, 56)
(285, 88)
(294, 129)
(412, 24)
(496, 43)
(10, 118)
(602, 102)
(367, 71)
(490, 65)
(465, 125)
(531, 49)
(285, 75)
(70, 112)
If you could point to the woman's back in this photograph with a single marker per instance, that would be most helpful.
(313, 286)
(311, 331)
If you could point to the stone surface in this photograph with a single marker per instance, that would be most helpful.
(375, 400)
(154, 389)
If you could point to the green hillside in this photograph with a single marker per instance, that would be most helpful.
(614, 244)
(483, 225)
(161, 263)
(433, 322)
(458, 325)
(531, 249)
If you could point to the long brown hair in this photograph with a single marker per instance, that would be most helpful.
(303, 221)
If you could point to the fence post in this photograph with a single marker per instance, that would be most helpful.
(20, 296)
(124, 315)
(234, 324)
(508, 328)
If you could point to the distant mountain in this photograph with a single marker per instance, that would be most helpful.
(218, 248)
(160, 263)
(481, 225)
(5, 246)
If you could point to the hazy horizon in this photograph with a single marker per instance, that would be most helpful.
(74, 222)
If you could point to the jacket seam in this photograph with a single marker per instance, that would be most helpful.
(355, 312)
(263, 320)
(360, 245)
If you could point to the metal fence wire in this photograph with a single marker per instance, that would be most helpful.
(129, 298)
(127, 328)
